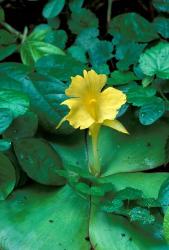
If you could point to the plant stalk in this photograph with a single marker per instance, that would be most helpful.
(12, 30)
(95, 168)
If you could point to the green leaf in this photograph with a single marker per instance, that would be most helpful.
(7, 177)
(161, 5)
(86, 37)
(161, 24)
(100, 52)
(111, 207)
(53, 213)
(6, 37)
(4, 145)
(75, 5)
(31, 51)
(93, 190)
(114, 232)
(134, 152)
(78, 53)
(57, 38)
(2, 15)
(23, 126)
(155, 61)
(45, 94)
(73, 152)
(129, 194)
(53, 8)
(149, 203)
(83, 188)
(101, 68)
(39, 32)
(152, 111)
(16, 102)
(163, 196)
(6, 118)
(139, 96)
(166, 226)
(141, 215)
(7, 51)
(97, 191)
(127, 54)
(133, 27)
(54, 23)
(119, 78)
(61, 67)
(39, 161)
(147, 81)
(140, 181)
(81, 20)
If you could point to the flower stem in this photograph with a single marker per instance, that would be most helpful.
(11, 29)
(95, 168)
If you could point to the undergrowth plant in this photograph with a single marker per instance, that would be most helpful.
(84, 130)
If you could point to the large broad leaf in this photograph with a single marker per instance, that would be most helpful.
(23, 126)
(61, 67)
(39, 161)
(59, 218)
(133, 27)
(72, 150)
(16, 102)
(7, 177)
(142, 149)
(155, 61)
(116, 232)
(45, 94)
(6, 118)
(139, 181)
(53, 8)
(118, 152)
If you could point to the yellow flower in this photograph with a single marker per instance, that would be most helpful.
(91, 107)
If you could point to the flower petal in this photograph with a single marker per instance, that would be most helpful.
(110, 101)
(92, 83)
(78, 117)
(115, 124)
(77, 87)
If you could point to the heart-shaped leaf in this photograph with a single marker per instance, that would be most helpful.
(155, 61)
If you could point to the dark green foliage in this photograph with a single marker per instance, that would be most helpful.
(49, 168)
